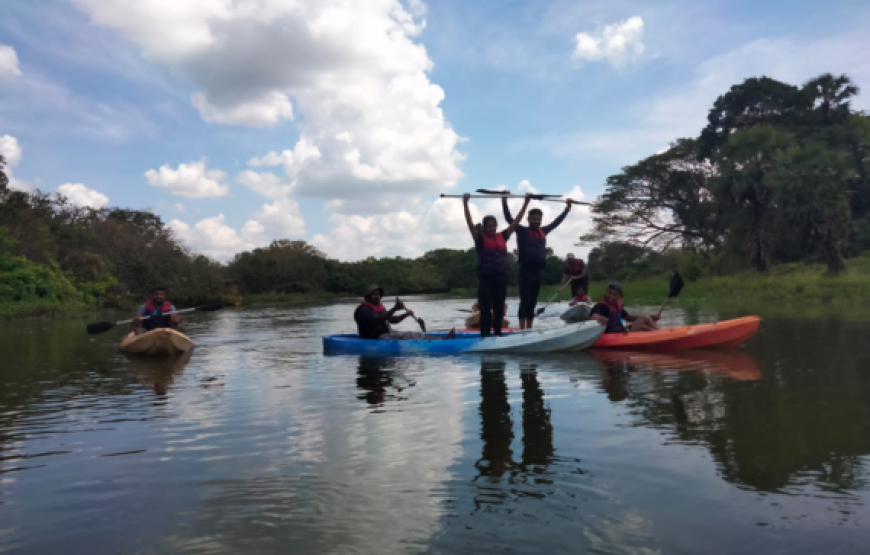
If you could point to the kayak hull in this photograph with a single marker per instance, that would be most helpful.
(728, 333)
(159, 342)
(574, 337)
(577, 313)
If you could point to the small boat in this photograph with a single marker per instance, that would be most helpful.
(473, 321)
(572, 337)
(577, 313)
(728, 333)
(159, 342)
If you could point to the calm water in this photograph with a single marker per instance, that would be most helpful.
(260, 444)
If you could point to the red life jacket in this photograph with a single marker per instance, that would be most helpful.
(158, 319)
(376, 307)
(492, 255)
(614, 317)
(575, 267)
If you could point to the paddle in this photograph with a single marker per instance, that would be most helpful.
(503, 193)
(677, 284)
(465, 310)
(419, 320)
(100, 327)
(560, 201)
(556, 294)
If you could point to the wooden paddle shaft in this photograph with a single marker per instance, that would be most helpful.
(560, 201)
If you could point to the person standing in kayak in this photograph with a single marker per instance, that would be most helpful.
(492, 266)
(373, 319)
(575, 270)
(610, 313)
(532, 247)
(157, 310)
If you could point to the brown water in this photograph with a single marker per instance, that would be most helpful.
(260, 444)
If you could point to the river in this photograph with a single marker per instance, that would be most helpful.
(258, 443)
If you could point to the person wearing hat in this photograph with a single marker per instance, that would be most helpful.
(373, 319)
(610, 313)
(575, 270)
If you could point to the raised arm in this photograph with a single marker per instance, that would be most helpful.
(516, 223)
(507, 211)
(559, 219)
(468, 220)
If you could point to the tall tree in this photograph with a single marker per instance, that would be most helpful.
(756, 101)
(830, 97)
(743, 188)
(661, 200)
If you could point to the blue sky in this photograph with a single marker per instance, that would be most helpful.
(372, 108)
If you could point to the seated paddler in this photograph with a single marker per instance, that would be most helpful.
(610, 313)
(373, 319)
(156, 313)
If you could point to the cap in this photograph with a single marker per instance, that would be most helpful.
(371, 289)
(616, 286)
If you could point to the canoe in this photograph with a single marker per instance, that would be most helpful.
(159, 342)
(473, 321)
(577, 313)
(572, 337)
(728, 333)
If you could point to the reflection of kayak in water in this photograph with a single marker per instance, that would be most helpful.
(735, 364)
(159, 373)
(159, 342)
(728, 333)
(473, 321)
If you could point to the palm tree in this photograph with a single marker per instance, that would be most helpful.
(831, 97)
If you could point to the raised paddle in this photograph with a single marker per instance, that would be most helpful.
(100, 327)
(556, 294)
(503, 193)
(419, 320)
(677, 284)
(559, 200)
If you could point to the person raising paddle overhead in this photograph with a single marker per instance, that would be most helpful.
(492, 266)
(157, 308)
(532, 247)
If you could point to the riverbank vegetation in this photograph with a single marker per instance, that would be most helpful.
(771, 202)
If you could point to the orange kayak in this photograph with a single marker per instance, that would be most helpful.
(728, 333)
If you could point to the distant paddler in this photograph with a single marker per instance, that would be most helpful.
(576, 271)
(373, 319)
(160, 312)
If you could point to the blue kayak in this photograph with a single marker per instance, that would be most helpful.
(572, 337)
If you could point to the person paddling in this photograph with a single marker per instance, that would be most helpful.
(575, 270)
(157, 309)
(610, 313)
(532, 248)
(492, 267)
(373, 319)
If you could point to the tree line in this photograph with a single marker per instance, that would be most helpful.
(781, 173)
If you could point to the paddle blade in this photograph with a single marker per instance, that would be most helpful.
(210, 307)
(422, 324)
(677, 284)
(100, 327)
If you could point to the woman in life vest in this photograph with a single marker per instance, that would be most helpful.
(610, 313)
(160, 314)
(492, 266)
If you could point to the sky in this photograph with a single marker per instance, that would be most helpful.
(340, 122)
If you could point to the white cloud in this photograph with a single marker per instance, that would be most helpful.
(191, 180)
(370, 120)
(278, 220)
(180, 208)
(211, 237)
(8, 63)
(80, 195)
(267, 184)
(11, 152)
(619, 44)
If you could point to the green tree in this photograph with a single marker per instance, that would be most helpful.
(830, 97)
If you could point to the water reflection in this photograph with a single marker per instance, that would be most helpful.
(382, 380)
(159, 373)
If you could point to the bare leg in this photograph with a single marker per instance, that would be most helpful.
(644, 323)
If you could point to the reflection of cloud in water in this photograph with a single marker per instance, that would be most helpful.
(630, 533)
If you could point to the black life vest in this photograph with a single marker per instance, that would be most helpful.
(159, 318)
(492, 255)
(536, 248)
(614, 317)
(371, 330)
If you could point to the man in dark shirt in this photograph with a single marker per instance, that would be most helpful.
(532, 247)
(373, 319)
(610, 313)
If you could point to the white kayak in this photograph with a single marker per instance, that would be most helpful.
(573, 337)
(159, 342)
(577, 313)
